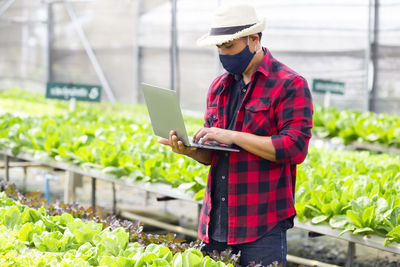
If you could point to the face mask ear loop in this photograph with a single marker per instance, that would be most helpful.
(260, 49)
(255, 46)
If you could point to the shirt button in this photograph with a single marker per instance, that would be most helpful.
(243, 90)
(226, 154)
(223, 177)
(223, 199)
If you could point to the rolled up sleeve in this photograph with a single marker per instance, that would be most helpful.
(293, 113)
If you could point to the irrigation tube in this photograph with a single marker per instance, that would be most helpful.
(49, 177)
(368, 64)
(49, 28)
(90, 52)
(308, 262)
(174, 49)
(137, 53)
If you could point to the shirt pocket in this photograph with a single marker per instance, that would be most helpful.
(257, 117)
(211, 117)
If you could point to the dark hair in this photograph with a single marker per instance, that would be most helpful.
(259, 35)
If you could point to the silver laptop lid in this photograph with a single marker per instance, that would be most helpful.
(165, 112)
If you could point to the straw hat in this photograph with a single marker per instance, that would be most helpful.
(230, 23)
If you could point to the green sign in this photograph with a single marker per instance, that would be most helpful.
(324, 86)
(66, 91)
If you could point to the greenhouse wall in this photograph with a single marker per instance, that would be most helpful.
(319, 40)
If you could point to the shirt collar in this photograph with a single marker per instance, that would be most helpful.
(266, 64)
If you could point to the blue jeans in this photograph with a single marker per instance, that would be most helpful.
(268, 249)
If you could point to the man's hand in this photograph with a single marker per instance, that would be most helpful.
(258, 145)
(201, 155)
(177, 145)
(219, 135)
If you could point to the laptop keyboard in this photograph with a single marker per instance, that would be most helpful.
(210, 143)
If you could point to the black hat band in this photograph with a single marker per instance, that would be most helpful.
(229, 30)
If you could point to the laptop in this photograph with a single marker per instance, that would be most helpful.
(165, 115)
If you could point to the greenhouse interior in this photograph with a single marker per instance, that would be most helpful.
(179, 133)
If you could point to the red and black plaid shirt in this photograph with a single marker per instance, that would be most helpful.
(261, 192)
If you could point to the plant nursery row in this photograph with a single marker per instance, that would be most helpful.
(38, 234)
(349, 190)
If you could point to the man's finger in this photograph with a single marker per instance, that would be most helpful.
(206, 137)
(196, 133)
(172, 139)
(171, 133)
(164, 141)
(201, 132)
(181, 146)
(174, 142)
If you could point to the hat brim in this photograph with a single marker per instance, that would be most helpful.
(212, 40)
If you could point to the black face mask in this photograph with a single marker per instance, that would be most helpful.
(237, 64)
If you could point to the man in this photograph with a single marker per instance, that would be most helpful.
(264, 108)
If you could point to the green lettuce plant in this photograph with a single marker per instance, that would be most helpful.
(62, 240)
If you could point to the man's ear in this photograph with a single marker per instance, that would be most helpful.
(254, 37)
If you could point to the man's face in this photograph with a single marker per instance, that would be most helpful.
(232, 47)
